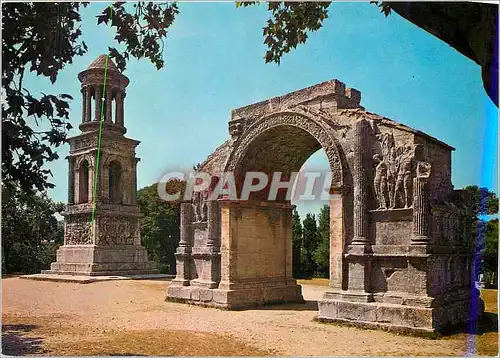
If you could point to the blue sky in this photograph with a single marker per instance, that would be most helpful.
(214, 63)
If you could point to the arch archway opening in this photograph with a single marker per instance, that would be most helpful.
(264, 222)
(281, 149)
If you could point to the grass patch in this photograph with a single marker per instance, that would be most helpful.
(487, 343)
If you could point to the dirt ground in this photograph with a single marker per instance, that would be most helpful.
(132, 318)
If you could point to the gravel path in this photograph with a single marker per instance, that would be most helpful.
(139, 305)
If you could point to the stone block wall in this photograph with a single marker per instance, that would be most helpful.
(250, 262)
(257, 238)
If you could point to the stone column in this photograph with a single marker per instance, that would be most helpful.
(105, 183)
(183, 254)
(360, 183)
(124, 186)
(133, 197)
(213, 224)
(421, 205)
(213, 247)
(76, 187)
(88, 104)
(91, 183)
(186, 215)
(98, 100)
(71, 180)
(287, 228)
(119, 108)
(84, 104)
(336, 240)
(109, 99)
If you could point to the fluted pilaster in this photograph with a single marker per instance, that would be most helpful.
(213, 223)
(421, 205)
(360, 183)
(71, 180)
(134, 180)
(91, 178)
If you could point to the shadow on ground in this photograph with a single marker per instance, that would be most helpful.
(15, 341)
(487, 323)
(306, 306)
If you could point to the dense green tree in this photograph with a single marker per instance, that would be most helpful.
(30, 231)
(482, 203)
(489, 256)
(310, 243)
(42, 38)
(322, 252)
(160, 222)
(296, 244)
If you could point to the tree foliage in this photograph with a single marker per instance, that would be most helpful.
(310, 243)
(289, 24)
(30, 231)
(41, 38)
(480, 203)
(160, 222)
(490, 254)
(322, 252)
(296, 244)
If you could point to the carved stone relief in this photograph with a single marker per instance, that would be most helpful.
(200, 207)
(117, 230)
(394, 172)
(84, 143)
(78, 231)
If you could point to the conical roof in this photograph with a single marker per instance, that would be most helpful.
(100, 62)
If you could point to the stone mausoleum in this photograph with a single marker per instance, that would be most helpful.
(102, 228)
(401, 256)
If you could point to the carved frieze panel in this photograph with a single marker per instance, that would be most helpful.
(78, 209)
(394, 170)
(84, 143)
(118, 146)
(200, 207)
(116, 230)
(78, 230)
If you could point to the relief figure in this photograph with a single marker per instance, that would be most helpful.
(380, 182)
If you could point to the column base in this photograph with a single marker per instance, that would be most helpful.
(339, 307)
(91, 260)
(232, 299)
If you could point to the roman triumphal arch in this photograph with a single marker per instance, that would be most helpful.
(400, 250)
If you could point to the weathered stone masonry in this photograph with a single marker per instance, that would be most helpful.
(111, 243)
(399, 253)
